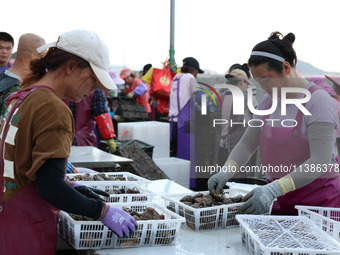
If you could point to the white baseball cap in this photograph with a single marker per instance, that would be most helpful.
(87, 45)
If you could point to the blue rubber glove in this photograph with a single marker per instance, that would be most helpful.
(70, 168)
(119, 221)
(259, 199)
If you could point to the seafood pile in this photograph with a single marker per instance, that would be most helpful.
(164, 235)
(222, 213)
(148, 214)
(125, 195)
(133, 190)
(98, 177)
(201, 201)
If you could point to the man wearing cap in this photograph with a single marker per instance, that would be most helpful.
(183, 87)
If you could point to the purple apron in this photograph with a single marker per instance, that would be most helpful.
(183, 127)
(28, 223)
(287, 146)
(85, 123)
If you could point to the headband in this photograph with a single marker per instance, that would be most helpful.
(268, 55)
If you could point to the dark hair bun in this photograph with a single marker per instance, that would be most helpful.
(290, 37)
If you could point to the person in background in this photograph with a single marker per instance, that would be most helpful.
(137, 88)
(183, 87)
(227, 136)
(245, 68)
(38, 131)
(159, 105)
(113, 101)
(146, 68)
(6, 48)
(115, 77)
(336, 85)
(10, 79)
(154, 115)
(304, 147)
(89, 114)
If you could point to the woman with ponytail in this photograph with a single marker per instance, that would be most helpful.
(36, 137)
(298, 150)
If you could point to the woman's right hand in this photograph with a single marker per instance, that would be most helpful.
(217, 181)
(119, 221)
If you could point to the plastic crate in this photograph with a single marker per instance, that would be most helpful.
(128, 176)
(95, 235)
(142, 145)
(285, 235)
(145, 195)
(199, 219)
(131, 110)
(327, 218)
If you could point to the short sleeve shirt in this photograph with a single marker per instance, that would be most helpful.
(42, 127)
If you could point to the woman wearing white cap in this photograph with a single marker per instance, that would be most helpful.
(298, 149)
(36, 137)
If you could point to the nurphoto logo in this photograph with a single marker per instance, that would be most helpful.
(239, 104)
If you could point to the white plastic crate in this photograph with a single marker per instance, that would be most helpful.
(177, 169)
(128, 176)
(283, 235)
(199, 219)
(327, 218)
(146, 131)
(95, 235)
(145, 195)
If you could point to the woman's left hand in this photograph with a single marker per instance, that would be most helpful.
(259, 199)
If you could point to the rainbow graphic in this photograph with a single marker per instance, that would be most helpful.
(209, 93)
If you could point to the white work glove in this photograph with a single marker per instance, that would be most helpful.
(260, 199)
(217, 181)
(130, 95)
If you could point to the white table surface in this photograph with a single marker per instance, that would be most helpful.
(92, 157)
(189, 242)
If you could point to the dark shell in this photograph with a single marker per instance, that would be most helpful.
(198, 195)
(208, 199)
(187, 199)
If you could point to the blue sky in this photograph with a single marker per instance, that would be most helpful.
(217, 33)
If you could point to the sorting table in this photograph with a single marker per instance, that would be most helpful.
(92, 157)
(221, 241)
